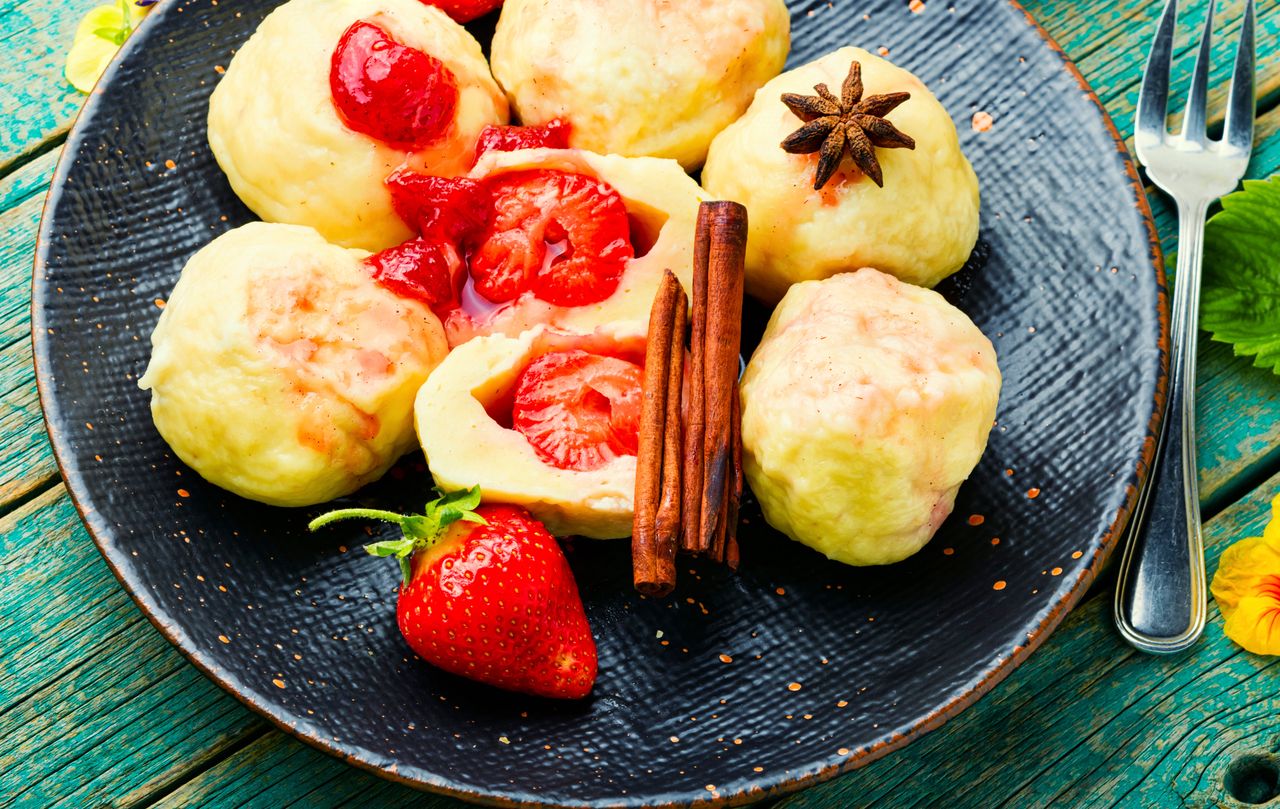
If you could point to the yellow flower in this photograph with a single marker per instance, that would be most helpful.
(1247, 589)
(95, 41)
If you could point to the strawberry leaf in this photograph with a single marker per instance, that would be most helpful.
(1240, 295)
(419, 530)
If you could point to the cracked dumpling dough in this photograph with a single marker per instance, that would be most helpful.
(866, 405)
(639, 77)
(281, 371)
(466, 445)
(921, 226)
(275, 131)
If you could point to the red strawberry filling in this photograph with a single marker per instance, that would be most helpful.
(579, 410)
(390, 91)
(464, 10)
(418, 269)
(552, 135)
(565, 238)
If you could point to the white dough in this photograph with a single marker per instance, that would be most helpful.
(276, 133)
(281, 371)
(866, 405)
(466, 447)
(639, 77)
(921, 226)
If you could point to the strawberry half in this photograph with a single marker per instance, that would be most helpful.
(564, 236)
(552, 135)
(464, 10)
(419, 269)
(579, 410)
(439, 208)
(487, 595)
(390, 91)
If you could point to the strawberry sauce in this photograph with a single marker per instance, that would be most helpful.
(389, 91)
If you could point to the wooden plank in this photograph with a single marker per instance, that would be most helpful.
(1088, 721)
(26, 462)
(38, 102)
(94, 703)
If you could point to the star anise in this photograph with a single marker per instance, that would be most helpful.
(849, 123)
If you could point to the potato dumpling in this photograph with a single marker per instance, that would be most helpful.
(921, 226)
(662, 205)
(639, 77)
(281, 371)
(463, 414)
(866, 405)
(275, 131)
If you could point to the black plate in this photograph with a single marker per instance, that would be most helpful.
(1070, 293)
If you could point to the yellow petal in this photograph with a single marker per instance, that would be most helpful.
(90, 54)
(1247, 589)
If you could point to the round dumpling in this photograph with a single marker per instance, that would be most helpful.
(921, 226)
(275, 130)
(866, 405)
(639, 78)
(662, 208)
(471, 436)
(281, 371)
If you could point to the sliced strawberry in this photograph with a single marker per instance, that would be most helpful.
(391, 91)
(579, 410)
(564, 236)
(448, 208)
(419, 269)
(465, 10)
(488, 595)
(552, 135)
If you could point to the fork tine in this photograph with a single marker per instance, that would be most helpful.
(1193, 129)
(1154, 97)
(1238, 130)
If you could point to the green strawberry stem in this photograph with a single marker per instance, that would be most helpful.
(418, 531)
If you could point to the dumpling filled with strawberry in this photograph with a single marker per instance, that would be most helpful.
(328, 97)
(548, 420)
(283, 371)
(555, 237)
(639, 78)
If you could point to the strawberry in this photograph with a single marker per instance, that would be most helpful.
(419, 269)
(554, 134)
(439, 208)
(579, 410)
(487, 594)
(390, 91)
(564, 236)
(464, 10)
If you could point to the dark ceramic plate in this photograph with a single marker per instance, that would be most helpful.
(301, 627)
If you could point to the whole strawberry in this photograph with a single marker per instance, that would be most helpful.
(487, 594)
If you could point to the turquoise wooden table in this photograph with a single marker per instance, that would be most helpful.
(97, 709)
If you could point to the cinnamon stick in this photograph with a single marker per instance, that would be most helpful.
(691, 507)
(735, 490)
(652, 571)
(726, 253)
(667, 524)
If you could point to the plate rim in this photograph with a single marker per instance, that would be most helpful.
(776, 787)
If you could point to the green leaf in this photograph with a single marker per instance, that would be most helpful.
(1240, 295)
(391, 547)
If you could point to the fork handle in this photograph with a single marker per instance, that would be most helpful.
(1160, 595)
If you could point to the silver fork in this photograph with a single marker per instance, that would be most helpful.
(1161, 597)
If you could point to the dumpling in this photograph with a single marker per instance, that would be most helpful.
(639, 78)
(281, 371)
(921, 226)
(548, 420)
(594, 203)
(866, 405)
(411, 74)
